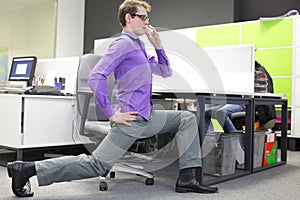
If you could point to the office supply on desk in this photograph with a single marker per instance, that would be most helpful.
(43, 90)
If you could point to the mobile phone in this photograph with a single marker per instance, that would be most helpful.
(149, 31)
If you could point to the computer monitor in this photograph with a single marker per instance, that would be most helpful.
(22, 69)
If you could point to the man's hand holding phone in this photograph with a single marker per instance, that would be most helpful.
(153, 37)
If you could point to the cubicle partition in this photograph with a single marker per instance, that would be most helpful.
(224, 70)
(279, 55)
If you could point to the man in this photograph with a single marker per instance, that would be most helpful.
(131, 118)
(222, 113)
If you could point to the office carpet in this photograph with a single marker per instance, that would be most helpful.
(278, 183)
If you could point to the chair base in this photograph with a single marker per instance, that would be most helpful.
(127, 168)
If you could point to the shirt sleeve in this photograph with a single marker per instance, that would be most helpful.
(97, 80)
(162, 65)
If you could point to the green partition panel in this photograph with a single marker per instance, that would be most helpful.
(278, 62)
(273, 40)
(283, 86)
(275, 33)
(218, 35)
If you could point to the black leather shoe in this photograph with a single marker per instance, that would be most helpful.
(20, 172)
(193, 186)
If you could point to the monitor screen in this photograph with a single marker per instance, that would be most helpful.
(22, 69)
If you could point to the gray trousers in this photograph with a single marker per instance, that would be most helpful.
(119, 140)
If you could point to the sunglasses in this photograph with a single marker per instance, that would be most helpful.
(142, 17)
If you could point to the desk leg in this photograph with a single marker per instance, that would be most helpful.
(20, 154)
(249, 120)
(284, 113)
(201, 117)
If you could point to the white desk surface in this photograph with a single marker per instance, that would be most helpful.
(39, 96)
(269, 95)
(157, 91)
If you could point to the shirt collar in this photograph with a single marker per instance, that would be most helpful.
(130, 34)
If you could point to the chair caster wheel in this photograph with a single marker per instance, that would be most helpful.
(149, 181)
(103, 186)
(112, 174)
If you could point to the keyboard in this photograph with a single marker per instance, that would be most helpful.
(14, 84)
(12, 87)
(12, 90)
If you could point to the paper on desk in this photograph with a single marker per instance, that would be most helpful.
(288, 14)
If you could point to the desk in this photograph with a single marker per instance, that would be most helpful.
(34, 121)
(224, 99)
(249, 100)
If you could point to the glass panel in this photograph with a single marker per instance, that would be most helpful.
(27, 28)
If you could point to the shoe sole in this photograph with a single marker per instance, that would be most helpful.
(182, 190)
(10, 174)
(9, 169)
(185, 190)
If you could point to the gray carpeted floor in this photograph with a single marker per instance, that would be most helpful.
(277, 183)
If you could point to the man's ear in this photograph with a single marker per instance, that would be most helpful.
(128, 18)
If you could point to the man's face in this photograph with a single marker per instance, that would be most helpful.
(140, 21)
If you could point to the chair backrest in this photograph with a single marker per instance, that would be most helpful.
(92, 121)
(86, 65)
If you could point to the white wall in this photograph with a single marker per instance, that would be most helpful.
(69, 28)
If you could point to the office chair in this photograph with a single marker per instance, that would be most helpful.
(95, 125)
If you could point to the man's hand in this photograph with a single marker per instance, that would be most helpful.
(123, 118)
(153, 37)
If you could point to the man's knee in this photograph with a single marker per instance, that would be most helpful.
(221, 113)
(187, 114)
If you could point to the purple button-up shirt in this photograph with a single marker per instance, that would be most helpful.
(132, 67)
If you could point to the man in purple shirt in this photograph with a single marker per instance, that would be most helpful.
(132, 68)
(132, 117)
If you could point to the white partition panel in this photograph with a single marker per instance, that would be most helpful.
(66, 67)
(225, 69)
(235, 65)
(296, 126)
